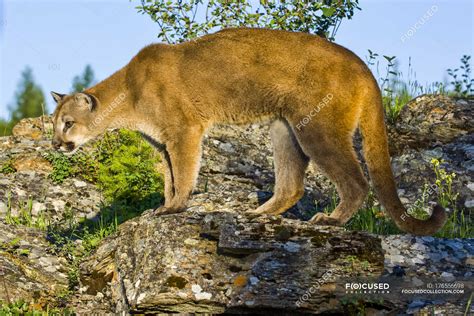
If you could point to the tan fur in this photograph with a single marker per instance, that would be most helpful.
(174, 93)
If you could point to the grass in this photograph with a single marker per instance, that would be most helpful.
(399, 88)
(371, 218)
(25, 216)
(468, 305)
(13, 247)
(21, 307)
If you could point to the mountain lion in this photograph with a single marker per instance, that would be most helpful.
(315, 93)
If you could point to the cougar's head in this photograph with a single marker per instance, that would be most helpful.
(72, 121)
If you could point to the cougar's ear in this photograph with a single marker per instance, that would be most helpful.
(86, 100)
(58, 97)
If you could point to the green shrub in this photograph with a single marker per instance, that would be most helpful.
(122, 164)
(126, 170)
(62, 167)
(185, 20)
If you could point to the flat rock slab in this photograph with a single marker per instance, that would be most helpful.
(224, 262)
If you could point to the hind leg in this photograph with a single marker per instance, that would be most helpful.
(335, 156)
(290, 165)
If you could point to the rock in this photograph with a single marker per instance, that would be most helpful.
(36, 208)
(470, 261)
(433, 126)
(3, 209)
(32, 162)
(234, 264)
(49, 200)
(415, 305)
(447, 276)
(430, 120)
(213, 265)
(79, 184)
(33, 128)
(398, 271)
(469, 203)
(470, 186)
(28, 269)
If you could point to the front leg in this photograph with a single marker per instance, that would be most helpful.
(169, 183)
(184, 155)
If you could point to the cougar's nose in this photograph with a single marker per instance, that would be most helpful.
(56, 143)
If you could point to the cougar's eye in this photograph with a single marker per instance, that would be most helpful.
(68, 125)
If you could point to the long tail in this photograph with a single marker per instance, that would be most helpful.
(377, 157)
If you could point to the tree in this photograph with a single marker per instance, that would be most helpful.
(5, 127)
(84, 81)
(186, 19)
(29, 102)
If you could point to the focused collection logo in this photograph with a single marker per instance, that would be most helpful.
(367, 288)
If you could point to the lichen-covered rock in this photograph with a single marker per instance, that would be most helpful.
(215, 262)
(28, 187)
(413, 169)
(431, 120)
(29, 269)
(33, 128)
(223, 262)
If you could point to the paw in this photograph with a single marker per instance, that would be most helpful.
(323, 219)
(259, 212)
(162, 210)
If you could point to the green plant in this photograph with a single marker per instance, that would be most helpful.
(398, 89)
(24, 216)
(21, 307)
(459, 224)
(8, 167)
(372, 219)
(462, 83)
(182, 20)
(29, 102)
(468, 305)
(62, 168)
(122, 165)
(126, 172)
(13, 247)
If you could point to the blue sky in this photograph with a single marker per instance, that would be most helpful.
(58, 38)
